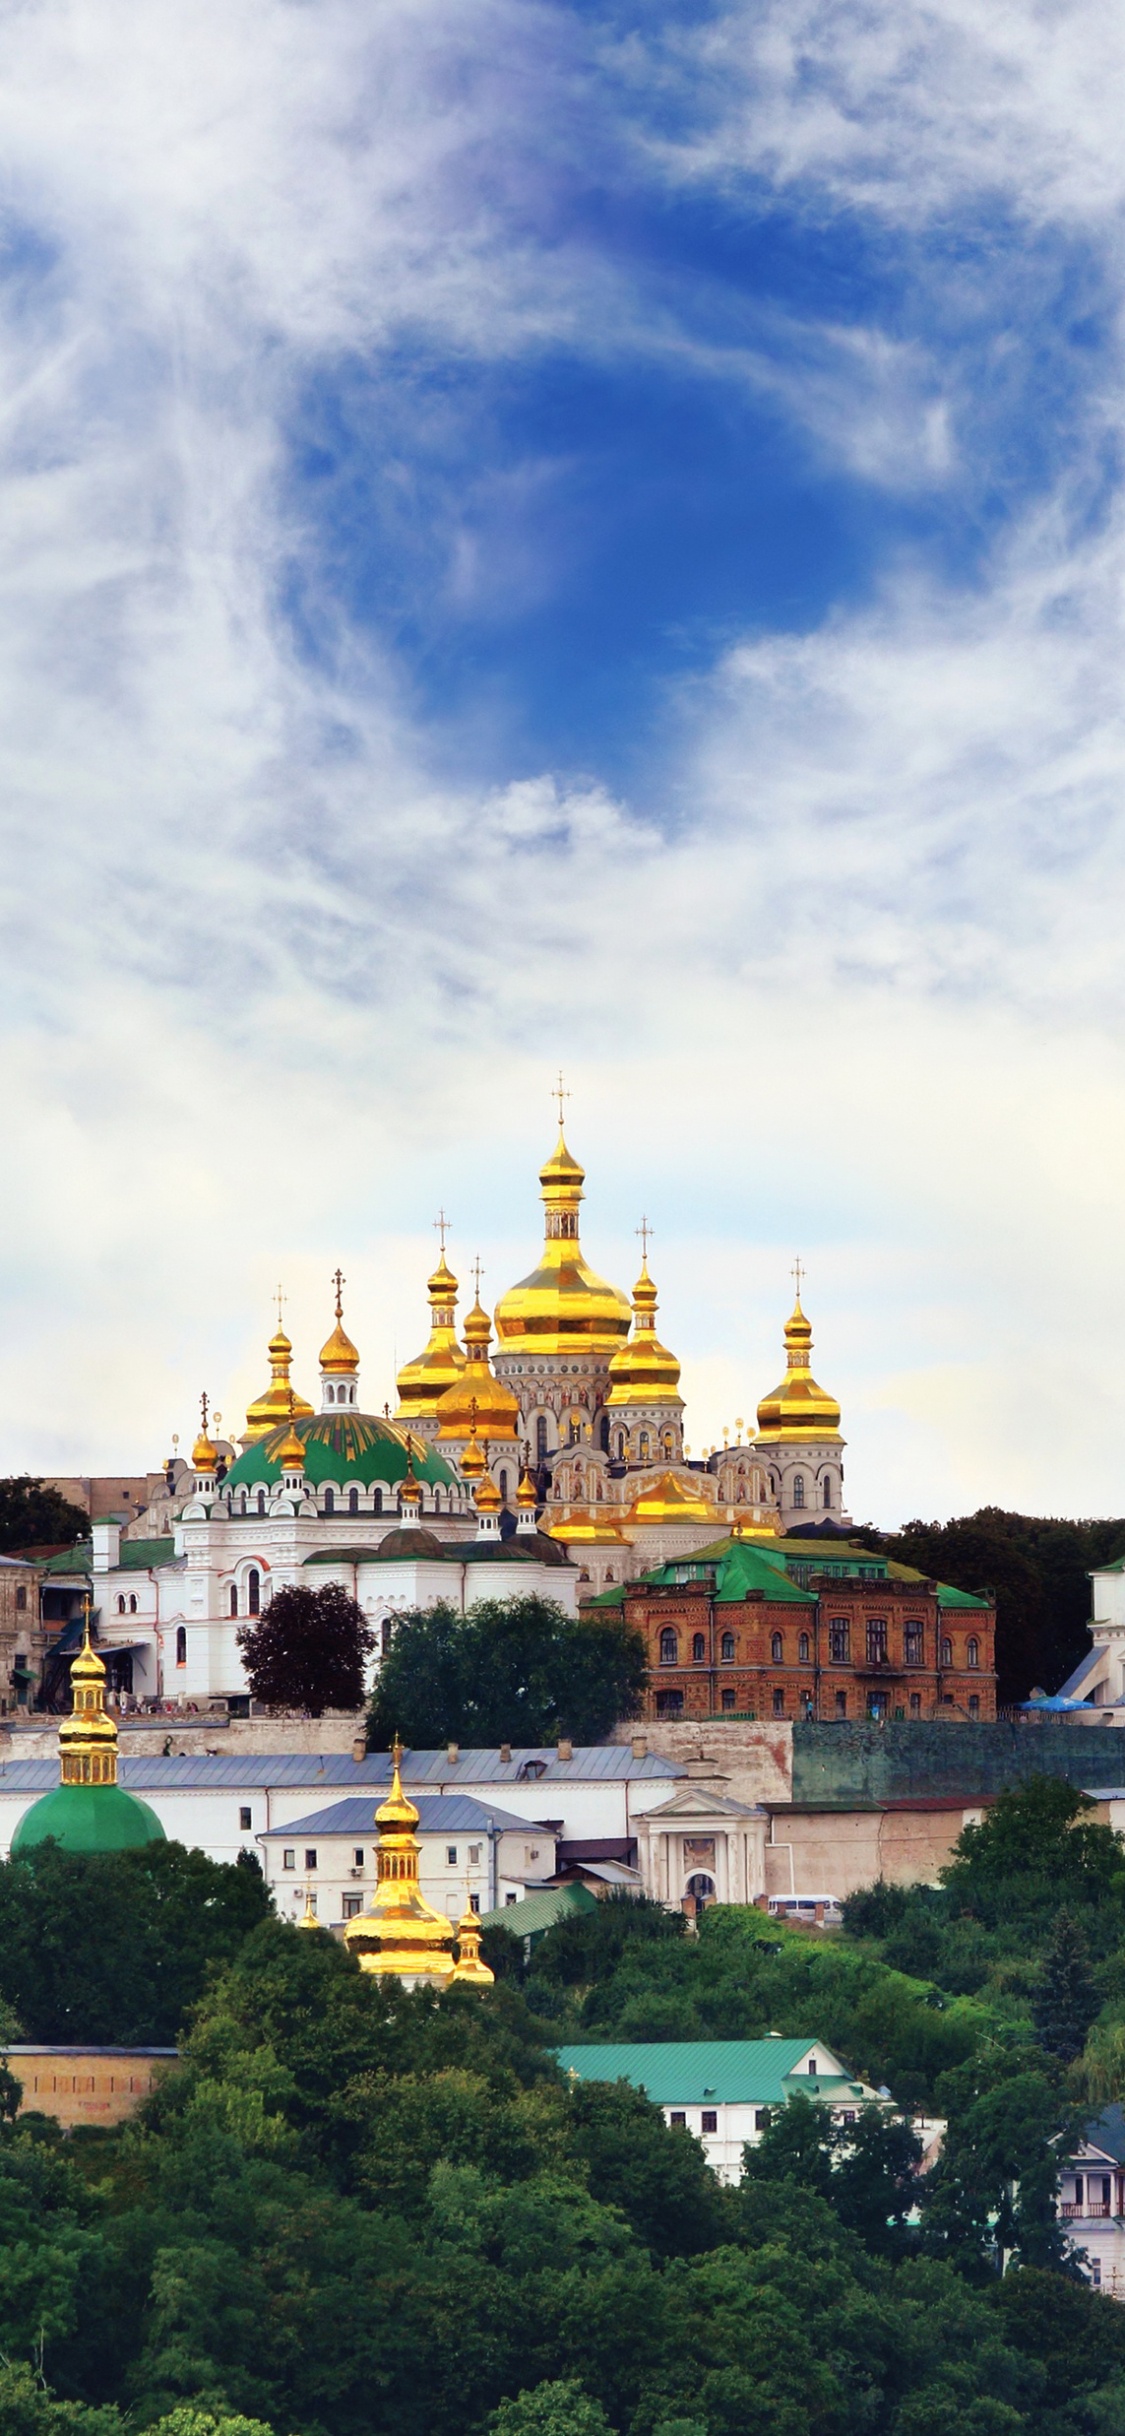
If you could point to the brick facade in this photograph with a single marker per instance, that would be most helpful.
(850, 1648)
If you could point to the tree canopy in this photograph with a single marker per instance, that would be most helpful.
(307, 1650)
(1038, 1568)
(32, 1516)
(510, 1670)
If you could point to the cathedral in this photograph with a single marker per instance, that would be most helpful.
(541, 1448)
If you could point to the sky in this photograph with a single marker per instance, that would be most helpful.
(584, 536)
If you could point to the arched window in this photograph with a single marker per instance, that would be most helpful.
(181, 1645)
(827, 1490)
(727, 1645)
(668, 1442)
(437, 1501)
(803, 1649)
(261, 1501)
(603, 1433)
(133, 1603)
(502, 1485)
(776, 1648)
(947, 1653)
(377, 1502)
(234, 1598)
(541, 1438)
(698, 1649)
(621, 1446)
(669, 1647)
(799, 1489)
(330, 1501)
(253, 1592)
(330, 1394)
(839, 1642)
(353, 1501)
(242, 1503)
(642, 1446)
(121, 1607)
(973, 1653)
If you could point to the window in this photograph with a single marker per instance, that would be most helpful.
(377, 1502)
(310, 1857)
(839, 1641)
(541, 1438)
(474, 1856)
(357, 1855)
(876, 1641)
(330, 1501)
(245, 1818)
(181, 1645)
(812, 2065)
(451, 1855)
(799, 1489)
(21, 1596)
(778, 1702)
(669, 1704)
(353, 1905)
(915, 1704)
(502, 1485)
(675, 2117)
(947, 1653)
(827, 1493)
(698, 1649)
(972, 1653)
(642, 1446)
(727, 1645)
(353, 1501)
(261, 1501)
(310, 1900)
(709, 2120)
(132, 1602)
(253, 1592)
(913, 1644)
(121, 1607)
(289, 1858)
(877, 1705)
(727, 1696)
(669, 1647)
(974, 1704)
(777, 1651)
(803, 1649)
(841, 1704)
(511, 1896)
(234, 1598)
(474, 1903)
(1096, 2273)
(761, 2118)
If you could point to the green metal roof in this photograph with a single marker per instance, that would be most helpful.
(733, 2071)
(137, 1556)
(534, 1913)
(342, 1447)
(88, 1818)
(736, 1566)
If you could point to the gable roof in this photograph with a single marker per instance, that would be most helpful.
(438, 1814)
(535, 1913)
(733, 2071)
(590, 1763)
(696, 1801)
(1107, 2133)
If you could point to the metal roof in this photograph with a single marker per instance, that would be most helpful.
(438, 1814)
(592, 1763)
(733, 2071)
(535, 1913)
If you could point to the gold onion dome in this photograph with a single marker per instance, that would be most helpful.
(290, 1455)
(643, 1371)
(204, 1454)
(469, 1965)
(423, 1381)
(562, 1304)
(798, 1407)
(410, 1493)
(487, 1498)
(527, 1495)
(400, 1935)
(338, 1355)
(477, 1395)
(280, 1399)
(472, 1461)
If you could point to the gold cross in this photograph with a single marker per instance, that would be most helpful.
(203, 1410)
(281, 1298)
(339, 1281)
(644, 1231)
(560, 1094)
(478, 1273)
(441, 1222)
(798, 1272)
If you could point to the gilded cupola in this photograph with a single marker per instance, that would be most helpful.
(88, 1811)
(798, 1408)
(400, 1935)
(643, 1371)
(338, 1356)
(562, 1307)
(477, 1396)
(422, 1382)
(280, 1398)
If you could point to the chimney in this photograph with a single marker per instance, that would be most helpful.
(640, 1746)
(505, 1754)
(566, 1750)
(359, 1749)
(106, 1536)
(453, 1753)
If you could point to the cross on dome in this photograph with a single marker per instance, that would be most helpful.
(561, 1094)
(797, 1272)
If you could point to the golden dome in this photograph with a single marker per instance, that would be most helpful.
(400, 1935)
(423, 1381)
(487, 1499)
(587, 1529)
(798, 1408)
(338, 1355)
(643, 1371)
(472, 1461)
(290, 1455)
(87, 1738)
(670, 1500)
(527, 1495)
(477, 1395)
(410, 1493)
(204, 1454)
(469, 1965)
(562, 1305)
(279, 1399)
(308, 1919)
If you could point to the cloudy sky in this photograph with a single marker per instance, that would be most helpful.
(568, 534)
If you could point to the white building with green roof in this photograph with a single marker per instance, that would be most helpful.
(724, 2090)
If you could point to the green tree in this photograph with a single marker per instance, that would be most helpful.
(511, 1670)
(1038, 1568)
(115, 1947)
(32, 1516)
(27, 2408)
(1036, 1850)
(1067, 2001)
(186, 2420)
(307, 1650)
(559, 2407)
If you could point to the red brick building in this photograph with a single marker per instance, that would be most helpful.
(786, 1629)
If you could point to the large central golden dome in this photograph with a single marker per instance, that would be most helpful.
(798, 1408)
(562, 1307)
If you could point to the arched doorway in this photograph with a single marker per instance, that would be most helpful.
(701, 1886)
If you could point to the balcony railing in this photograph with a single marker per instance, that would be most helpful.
(1085, 2207)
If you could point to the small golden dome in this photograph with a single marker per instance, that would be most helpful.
(338, 1355)
(87, 1738)
(477, 1396)
(308, 1919)
(587, 1528)
(562, 1306)
(798, 1408)
(279, 1399)
(291, 1453)
(398, 1811)
(527, 1495)
(204, 1454)
(643, 1371)
(469, 1965)
(671, 1500)
(400, 1935)
(487, 1497)
(423, 1381)
(409, 1491)
(472, 1461)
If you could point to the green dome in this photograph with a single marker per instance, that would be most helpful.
(89, 1818)
(340, 1447)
